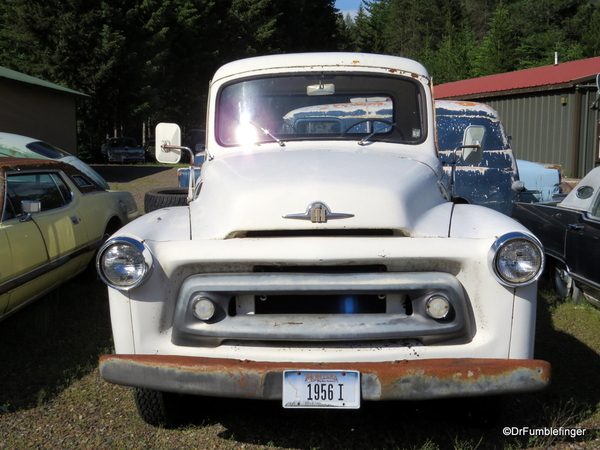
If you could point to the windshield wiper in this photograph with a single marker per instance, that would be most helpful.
(268, 133)
(369, 136)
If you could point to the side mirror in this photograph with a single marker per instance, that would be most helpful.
(28, 208)
(168, 135)
(31, 206)
(472, 145)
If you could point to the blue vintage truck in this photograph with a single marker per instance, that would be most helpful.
(498, 180)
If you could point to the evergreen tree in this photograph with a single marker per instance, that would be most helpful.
(496, 53)
(478, 14)
(143, 61)
(363, 31)
(453, 59)
(345, 34)
(370, 26)
(308, 25)
(409, 24)
(544, 27)
(588, 21)
(147, 61)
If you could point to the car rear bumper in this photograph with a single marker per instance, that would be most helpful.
(397, 380)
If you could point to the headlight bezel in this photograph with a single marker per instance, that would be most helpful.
(502, 244)
(144, 253)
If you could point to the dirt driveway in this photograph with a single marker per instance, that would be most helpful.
(138, 179)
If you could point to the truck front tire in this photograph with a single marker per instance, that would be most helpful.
(157, 408)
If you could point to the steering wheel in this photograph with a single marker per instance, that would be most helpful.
(387, 122)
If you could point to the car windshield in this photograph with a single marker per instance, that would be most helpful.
(324, 106)
(47, 150)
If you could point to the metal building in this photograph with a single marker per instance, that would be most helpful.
(38, 109)
(551, 112)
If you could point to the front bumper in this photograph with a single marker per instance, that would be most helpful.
(397, 380)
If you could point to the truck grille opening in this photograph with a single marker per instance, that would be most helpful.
(344, 303)
(320, 304)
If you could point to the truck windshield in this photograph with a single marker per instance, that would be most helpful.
(336, 106)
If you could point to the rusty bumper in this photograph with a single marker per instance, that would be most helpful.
(398, 380)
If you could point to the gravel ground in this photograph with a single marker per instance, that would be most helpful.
(138, 179)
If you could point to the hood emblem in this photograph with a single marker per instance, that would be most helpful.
(317, 212)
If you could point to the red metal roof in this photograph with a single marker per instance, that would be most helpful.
(549, 76)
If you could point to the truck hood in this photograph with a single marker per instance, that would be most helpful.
(265, 193)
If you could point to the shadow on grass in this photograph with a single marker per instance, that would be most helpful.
(53, 342)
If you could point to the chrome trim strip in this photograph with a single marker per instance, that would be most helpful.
(19, 281)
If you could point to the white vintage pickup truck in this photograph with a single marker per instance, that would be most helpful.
(322, 261)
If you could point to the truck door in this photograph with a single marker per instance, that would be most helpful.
(582, 250)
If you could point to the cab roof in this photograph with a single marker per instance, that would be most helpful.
(464, 108)
(321, 61)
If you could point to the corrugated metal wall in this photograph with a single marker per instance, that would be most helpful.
(541, 126)
(589, 139)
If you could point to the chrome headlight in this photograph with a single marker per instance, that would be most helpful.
(516, 259)
(123, 263)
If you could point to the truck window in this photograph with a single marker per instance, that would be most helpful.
(327, 106)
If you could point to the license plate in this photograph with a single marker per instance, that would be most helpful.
(321, 389)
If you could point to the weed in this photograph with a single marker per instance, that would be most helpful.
(459, 444)
(429, 445)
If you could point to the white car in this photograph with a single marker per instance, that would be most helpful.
(17, 146)
(542, 184)
(321, 266)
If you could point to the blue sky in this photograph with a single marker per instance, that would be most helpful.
(348, 6)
